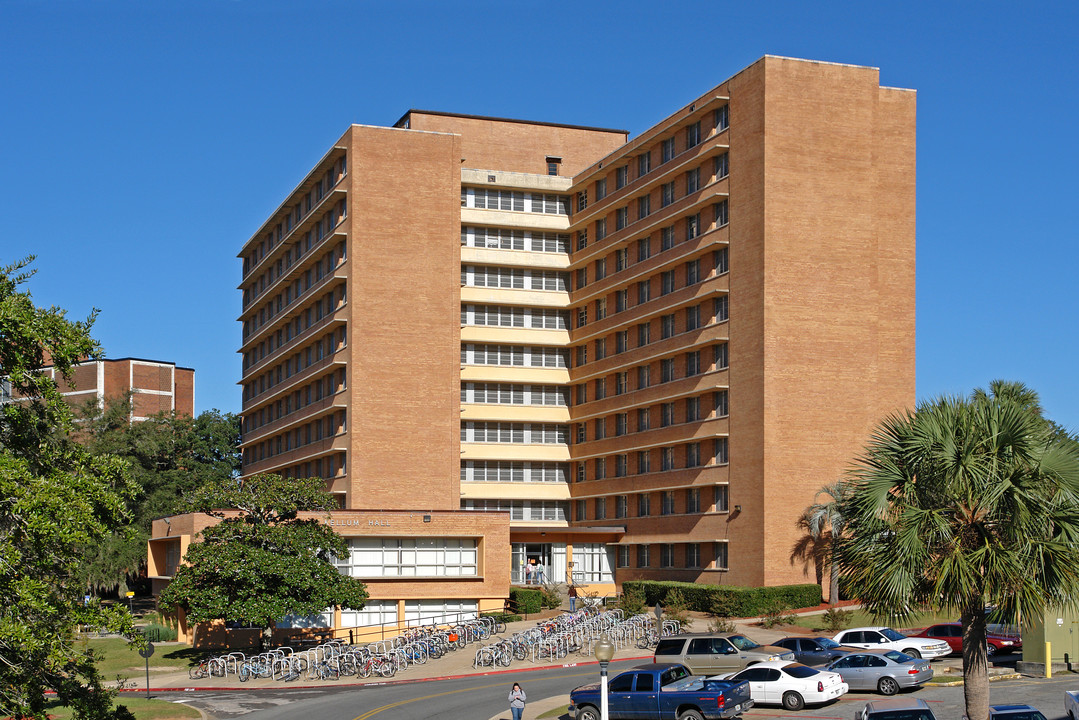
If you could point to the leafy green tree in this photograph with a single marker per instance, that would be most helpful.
(169, 455)
(54, 498)
(963, 503)
(262, 561)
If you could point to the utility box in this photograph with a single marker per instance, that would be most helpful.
(1057, 626)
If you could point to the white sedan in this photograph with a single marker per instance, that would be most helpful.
(792, 685)
(885, 638)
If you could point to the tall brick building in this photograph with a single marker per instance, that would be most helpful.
(503, 342)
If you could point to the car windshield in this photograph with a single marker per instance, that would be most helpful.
(902, 715)
(896, 656)
(799, 670)
(673, 674)
(742, 642)
(892, 634)
(826, 643)
(1017, 715)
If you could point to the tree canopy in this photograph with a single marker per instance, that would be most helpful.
(55, 497)
(262, 561)
(964, 503)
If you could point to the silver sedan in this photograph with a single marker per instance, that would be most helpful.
(886, 671)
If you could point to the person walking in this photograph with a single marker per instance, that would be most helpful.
(537, 572)
(572, 592)
(517, 701)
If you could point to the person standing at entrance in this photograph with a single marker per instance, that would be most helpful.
(528, 573)
(572, 592)
(517, 701)
(538, 572)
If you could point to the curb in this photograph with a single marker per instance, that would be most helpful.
(992, 678)
(248, 688)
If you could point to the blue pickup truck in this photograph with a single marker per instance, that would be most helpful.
(662, 691)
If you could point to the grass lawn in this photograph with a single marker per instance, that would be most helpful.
(118, 658)
(557, 712)
(860, 618)
(141, 708)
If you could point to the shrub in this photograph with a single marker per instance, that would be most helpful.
(720, 611)
(503, 616)
(550, 597)
(156, 632)
(777, 614)
(674, 608)
(836, 619)
(632, 601)
(744, 602)
(526, 600)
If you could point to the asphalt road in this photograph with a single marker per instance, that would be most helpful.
(483, 697)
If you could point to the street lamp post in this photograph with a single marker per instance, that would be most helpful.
(604, 653)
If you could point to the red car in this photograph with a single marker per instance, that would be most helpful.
(952, 633)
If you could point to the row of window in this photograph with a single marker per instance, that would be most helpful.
(297, 400)
(328, 466)
(669, 413)
(410, 557)
(514, 355)
(295, 290)
(505, 471)
(508, 394)
(668, 557)
(514, 316)
(298, 437)
(295, 215)
(522, 509)
(521, 433)
(692, 363)
(691, 505)
(670, 458)
(325, 305)
(505, 239)
(513, 278)
(692, 226)
(514, 200)
(318, 349)
(417, 612)
(643, 161)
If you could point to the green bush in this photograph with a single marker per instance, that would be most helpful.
(738, 601)
(526, 601)
(551, 599)
(156, 632)
(631, 601)
(836, 619)
(503, 616)
(675, 608)
(777, 614)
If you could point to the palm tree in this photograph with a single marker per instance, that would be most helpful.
(824, 523)
(965, 502)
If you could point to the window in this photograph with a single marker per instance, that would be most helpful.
(601, 308)
(721, 556)
(693, 455)
(693, 409)
(623, 556)
(643, 419)
(720, 403)
(621, 338)
(644, 249)
(722, 214)
(668, 149)
(693, 363)
(721, 451)
(693, 134)
(601, 229)
(644, 334)
(644, 465)
(721, 118)
(666, 194)
(721, 360)
(582, 355)
(666, 238)
(621, 383)
(693, 180)
(552, 168)
(719, 498)
(601, 348)
(721, 308)
(666, 555)
(693, 226)
(666, 459)
(721, 166)
(666, 323)
(644, 207)
(666, 506)
(644, 291)
(601, 388)
(581, 433)
(666, 414)
(621, 177)
(582, 200)
(601, 189)
(644, 164)
(621, 259)
(719, 261)
(693, 317)
(667, 284)
(582, 393)
(582, 239)
(581, 512)
(642, 556)
(621, 218)
(620, 467)
(693, 272)
(621, 504)
(644, 376)
(582, 473)
(601, 503)
(582, 316)
(396, 557)
(693, 500)
(693, 555)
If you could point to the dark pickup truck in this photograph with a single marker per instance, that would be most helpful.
(662, 691)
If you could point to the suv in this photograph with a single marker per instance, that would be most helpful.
(708, 654)
(896, 709)
(888, 639)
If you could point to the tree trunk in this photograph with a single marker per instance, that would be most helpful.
(833, 582)
(975, 661)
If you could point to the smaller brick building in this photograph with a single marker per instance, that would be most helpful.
(155, 386)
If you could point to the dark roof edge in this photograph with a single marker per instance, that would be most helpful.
(508, 120)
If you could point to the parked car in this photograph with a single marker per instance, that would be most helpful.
(888, 639)
(815, 650)
(886, 671)
(896, 709)
(792, 685)
(952, 633)
(1071, 704)
(713, 653)
(664, 690)
(1014, 712)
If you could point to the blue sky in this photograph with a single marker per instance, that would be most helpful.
(144, 142)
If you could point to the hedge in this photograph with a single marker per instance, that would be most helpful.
(526, 601)
(739, 601)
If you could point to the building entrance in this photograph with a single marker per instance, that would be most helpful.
(551, 557)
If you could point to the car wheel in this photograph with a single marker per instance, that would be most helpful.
(913, 653)
(990, 650)
(587, 712)
(793, 701)
(887, 686)
(691, 715)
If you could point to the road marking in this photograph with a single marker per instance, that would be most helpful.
(376, 711)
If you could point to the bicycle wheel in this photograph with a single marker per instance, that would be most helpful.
(245, 673)
(387, 669)
(364, 668)
(198, 671)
